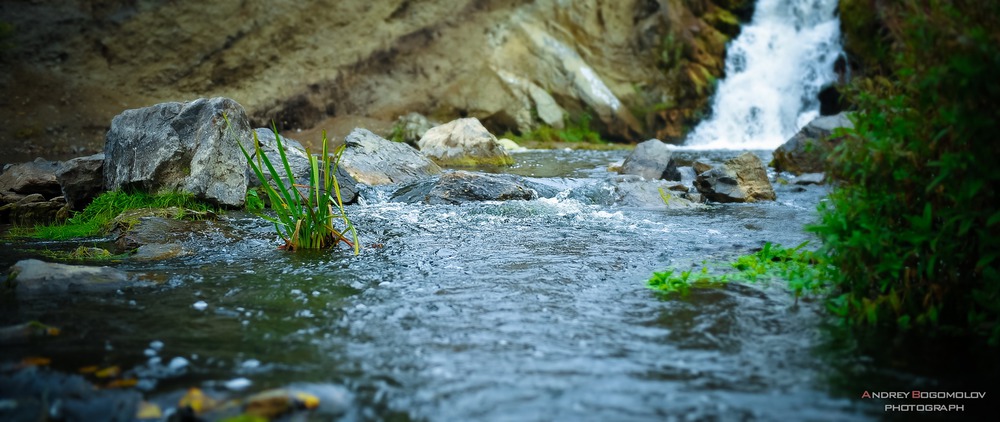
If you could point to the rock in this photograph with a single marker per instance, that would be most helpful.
(463, 143)
(33, 391)
(38, 176)
(741, 179)
(700, 167)
(806, 152)
(32, 209)
(81, 180)
(606, 58)
(810, 179)
(510, 145)
(651, 160)
(150, 226)
(298, 161)
(373, 160)
(462, 186)
(180, 147)
(34, 277)
(644, 193)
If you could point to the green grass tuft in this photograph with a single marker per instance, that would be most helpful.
(305, 215)
(96, 218)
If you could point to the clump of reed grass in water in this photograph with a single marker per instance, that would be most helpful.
(305, 215)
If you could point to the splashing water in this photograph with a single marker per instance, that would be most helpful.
(775, 70)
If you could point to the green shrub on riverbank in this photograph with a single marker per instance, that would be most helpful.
(96, 218)
(912, 230)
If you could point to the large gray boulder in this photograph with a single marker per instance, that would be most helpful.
(180, 146)
(37, 176)
(463, 143)
(806, 152)
(463, 186)
(741, 179)
(373, 160)
(81, 180)
(652, 160)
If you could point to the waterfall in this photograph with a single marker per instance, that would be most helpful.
(774, 71)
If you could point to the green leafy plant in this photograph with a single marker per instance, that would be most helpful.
(96, 218)
(305, 215)
(797, 266)
(912, 230)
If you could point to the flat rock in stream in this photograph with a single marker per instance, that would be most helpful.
(463, 186)
(373, 160)
(34, 277)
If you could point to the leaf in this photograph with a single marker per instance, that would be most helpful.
(197, 401)
(148, 410)
(109, 372)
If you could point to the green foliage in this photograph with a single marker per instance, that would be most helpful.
(912, 228)
(96, 218)
(796, 266)
(398, 132)
(6, 32)
(578, 131)
(306, 216)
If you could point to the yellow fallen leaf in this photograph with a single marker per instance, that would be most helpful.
(35, 361)
(273, 403)
(307, 401)
(196, 400)
(88, 369)
(109, 372)
(148, 410)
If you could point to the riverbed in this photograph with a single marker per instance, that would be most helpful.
(517, 310)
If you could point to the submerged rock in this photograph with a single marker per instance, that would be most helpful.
(741, 179)
(133, 229)
(373, 160)
(806, 152)
(652, 160)
(463, 143)
(35, 391)
(81, 180)
(462, 186)
(32, 277)
(180, 147)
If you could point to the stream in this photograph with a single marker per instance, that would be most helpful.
(519, 310)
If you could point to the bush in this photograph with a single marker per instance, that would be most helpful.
(912, 230)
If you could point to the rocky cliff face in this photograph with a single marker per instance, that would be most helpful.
(640, 68)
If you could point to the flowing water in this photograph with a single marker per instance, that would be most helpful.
(775, 69)
(519, 310)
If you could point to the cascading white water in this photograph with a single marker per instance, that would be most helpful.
(774, 72)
